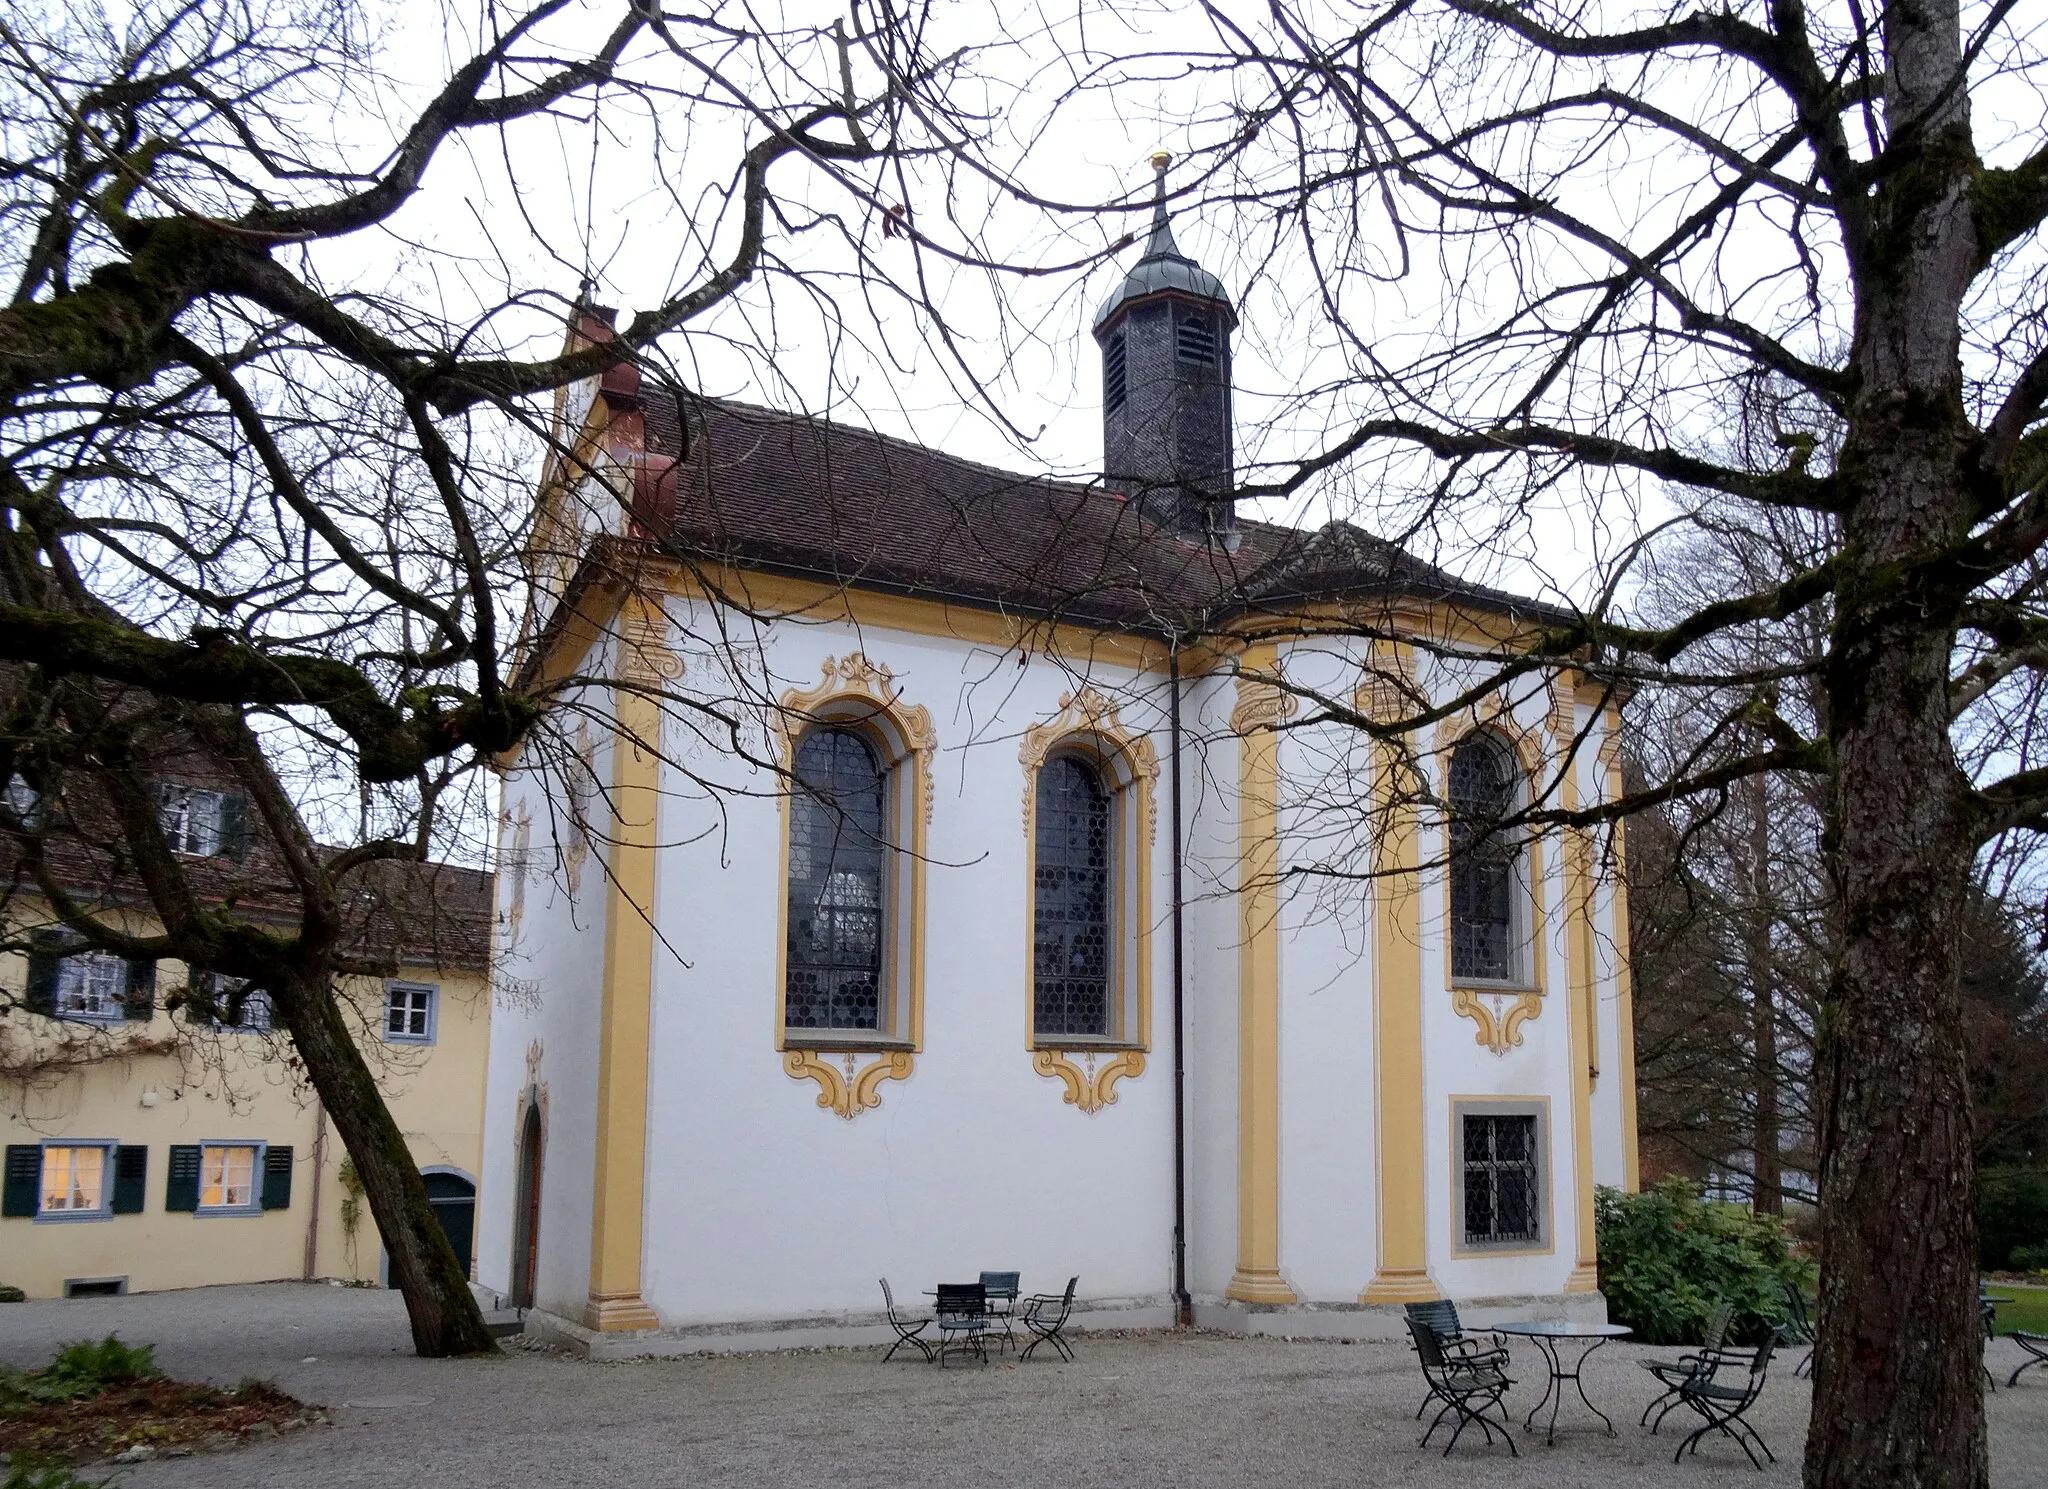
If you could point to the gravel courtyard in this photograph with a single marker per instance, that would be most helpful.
(1131, 1412)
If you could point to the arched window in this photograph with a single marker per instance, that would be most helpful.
(1072, 953)
(838, 861)
(1485, 864)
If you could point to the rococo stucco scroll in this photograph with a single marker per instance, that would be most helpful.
(1087, 714)
(854, 677)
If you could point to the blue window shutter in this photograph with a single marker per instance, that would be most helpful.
(44, 954)
(234, 826)
(181, 1180)
(277, 1179)
(24, 1177)
(131, 1175)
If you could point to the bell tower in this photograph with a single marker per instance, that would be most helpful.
(1165, 339)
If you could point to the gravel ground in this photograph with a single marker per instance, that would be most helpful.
(1133, 1412)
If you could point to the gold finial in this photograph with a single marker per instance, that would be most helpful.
(1161, 159)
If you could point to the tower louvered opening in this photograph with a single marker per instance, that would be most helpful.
(1195, 340)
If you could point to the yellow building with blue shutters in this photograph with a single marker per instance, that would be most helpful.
(149, 1147)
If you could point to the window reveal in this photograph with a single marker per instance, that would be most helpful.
(74, 1180)
(1483, 861)
(1071, 954)
(227, 1177)
(1503, 1200)
(838, 853)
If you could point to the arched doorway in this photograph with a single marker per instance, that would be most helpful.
(526, 1211)
(454, 1199)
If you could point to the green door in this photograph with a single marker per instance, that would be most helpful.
(454, 1200)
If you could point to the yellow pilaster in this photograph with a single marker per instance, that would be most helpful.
(1260, 706)
(1403, 1272)
(1581, 988)
(1624, 990)
(619, 1181)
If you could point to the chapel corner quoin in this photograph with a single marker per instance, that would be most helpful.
(951, 1043)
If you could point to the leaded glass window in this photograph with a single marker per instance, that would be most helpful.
(1503, 1200)
(1483, 861)
(838, 853)
(1071, 956)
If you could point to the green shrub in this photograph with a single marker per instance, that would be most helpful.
(1667, 1257)
(85, 1368)
(2030, 1258)
(2012, 1211)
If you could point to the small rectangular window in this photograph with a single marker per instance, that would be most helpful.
(77, 1181)
(92, 985)
(227, 1176)
(1503, 1200)
(409, 1013)
(233, 1007)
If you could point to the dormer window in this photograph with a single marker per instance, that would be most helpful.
(205, 824)
(1195, 340)
(1113, 386)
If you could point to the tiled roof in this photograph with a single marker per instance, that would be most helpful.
(804, 495)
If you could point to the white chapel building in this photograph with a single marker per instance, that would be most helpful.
(919, 873)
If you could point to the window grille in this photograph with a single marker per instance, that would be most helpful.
(1070, 902)
(1483, 861)
(838, 851)
(1195, 339)
(1503, 1203)
(1113, 368)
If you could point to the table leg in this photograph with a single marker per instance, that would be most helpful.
(1553, 1390)
(1550, 1384)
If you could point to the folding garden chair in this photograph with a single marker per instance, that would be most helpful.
(1460, 1386)
(1046, 1316)
(1002, 1288)
(1722, 1407)
(907, 1327)
(2036, 1345)
(963, 1319)
(1673, 1374)
(1441, 1318)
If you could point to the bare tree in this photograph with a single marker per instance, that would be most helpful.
(269, 402)
(1616, 216)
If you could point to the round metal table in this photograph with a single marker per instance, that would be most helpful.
(1548, 1335)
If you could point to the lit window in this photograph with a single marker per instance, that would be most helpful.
(206, 824)
(409, 1013)
(1485, 868)
(1071, 896)
(227, 1176)
(75, 1180)
(1501, 1196)
(838, 853)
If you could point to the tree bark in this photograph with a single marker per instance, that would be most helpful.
(444, 1313)
(1897, 1396)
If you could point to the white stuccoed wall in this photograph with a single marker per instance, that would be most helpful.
(764, 1209)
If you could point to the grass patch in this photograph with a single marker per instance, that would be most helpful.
(98, 1399)
(2023, 1308)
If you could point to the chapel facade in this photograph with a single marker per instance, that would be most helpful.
(921, 873)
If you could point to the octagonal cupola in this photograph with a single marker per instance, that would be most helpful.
(1165, 339)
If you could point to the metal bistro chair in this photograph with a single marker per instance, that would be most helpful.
(963, 1319)
(1673, 1374)
(1797, 1325)
(907, 1327)
(1002, 1289)
(2035, 1346)
(1722, 1408)
(1441, 1318)
(1457, 1384)
(1046, 1316)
